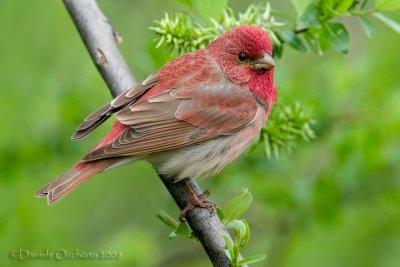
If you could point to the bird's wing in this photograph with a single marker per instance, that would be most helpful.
(121, 101)
(177, 118)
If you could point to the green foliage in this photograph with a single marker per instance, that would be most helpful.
(368, 28)
(230, 216)
(337, 35)
(241, 236)
(236, 207)
(314, 27)
(182, 33)
(294, 41)
(181, 229)
(285, 126)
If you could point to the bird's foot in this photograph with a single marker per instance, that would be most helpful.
(200, 201)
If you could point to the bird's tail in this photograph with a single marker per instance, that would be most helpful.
(80, 172)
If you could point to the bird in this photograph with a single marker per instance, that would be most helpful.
(195, 115)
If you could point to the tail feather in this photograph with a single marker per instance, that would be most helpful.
(59, 188)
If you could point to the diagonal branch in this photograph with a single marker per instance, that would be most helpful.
(101, 41)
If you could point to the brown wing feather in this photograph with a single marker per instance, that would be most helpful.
(174, 119)
(121, 101)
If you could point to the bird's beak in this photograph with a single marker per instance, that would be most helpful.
(264, 63)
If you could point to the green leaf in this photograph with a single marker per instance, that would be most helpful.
(207, 9)
(324, 43)
(344, 5)
(237, 206)
(228, 254)
(337, 35)
(389, 22)
(172, 235)
(313, 42)
(229, 251)
(310, 18)
(240, 228)
(167, 219)
(338, 6)
(277, 51)
(300, 5)
(317, 43)
(220, 213)
(247, 235)
(183, 229)
(294, 41)
(241, 238)
(388, 5)
(368, 28)
(252, 259)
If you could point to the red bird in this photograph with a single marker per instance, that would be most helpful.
(194, 116)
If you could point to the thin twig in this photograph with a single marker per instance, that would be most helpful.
(99, 38)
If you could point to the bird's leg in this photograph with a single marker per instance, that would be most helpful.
(195, 201)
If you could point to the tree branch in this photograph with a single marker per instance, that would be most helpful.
(101, 41)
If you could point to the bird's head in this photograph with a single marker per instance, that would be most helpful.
(244, 54)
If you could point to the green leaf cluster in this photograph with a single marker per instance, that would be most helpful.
(183, 33)
(315, 29)
(318, 29)
(286, 125)
(241, 237)
(231, 217)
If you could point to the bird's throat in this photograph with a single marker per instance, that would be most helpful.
(263, 86)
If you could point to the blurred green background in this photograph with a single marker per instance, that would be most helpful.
(332, 202)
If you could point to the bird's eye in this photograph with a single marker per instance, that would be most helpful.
(242, 56)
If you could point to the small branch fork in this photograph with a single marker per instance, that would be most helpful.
(101, 41)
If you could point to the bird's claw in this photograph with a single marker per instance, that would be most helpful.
(201, 201)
